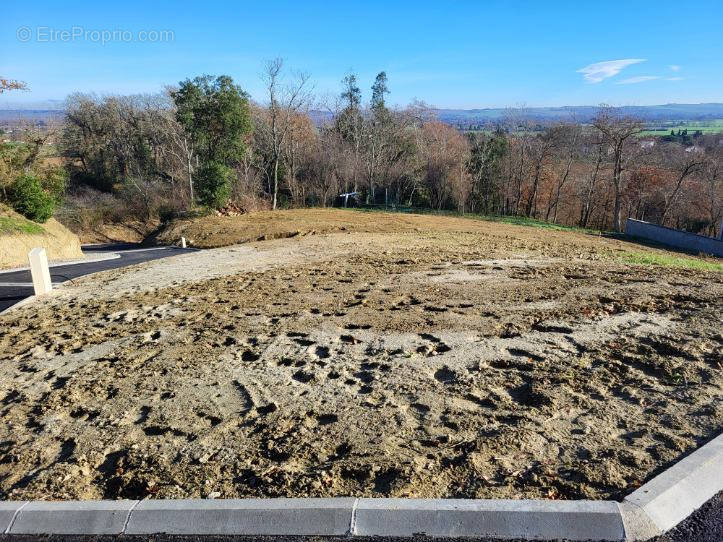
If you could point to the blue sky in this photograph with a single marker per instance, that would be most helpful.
(463, 54)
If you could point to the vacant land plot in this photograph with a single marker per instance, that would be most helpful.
(218, 231)
(427, 358)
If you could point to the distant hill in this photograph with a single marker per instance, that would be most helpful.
(13, 117)
(473, 118)
(470, 118)
(466, 118)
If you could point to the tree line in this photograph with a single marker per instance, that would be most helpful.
(206, 143)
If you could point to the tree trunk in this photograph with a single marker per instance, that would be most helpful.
(531, 209)
(617, 173)
(617, 209)
(587, 206)
(276, 182)
(190, 180)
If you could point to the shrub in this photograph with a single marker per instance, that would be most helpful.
(213, 184)
(55, 182)
(28, 198)
(85, 208)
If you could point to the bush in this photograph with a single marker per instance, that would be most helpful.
(55, 182)
(85, 208)
(28, 198)
(213, 184)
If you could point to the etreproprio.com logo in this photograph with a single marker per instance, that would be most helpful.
(48, 34)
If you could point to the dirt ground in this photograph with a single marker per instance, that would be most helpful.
(213, 231)
(129, 232)
(449, 358)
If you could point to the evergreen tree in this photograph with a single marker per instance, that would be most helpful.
(213, 181)
(379, 89)
(351, 93)
(215, 114)
(349, 121)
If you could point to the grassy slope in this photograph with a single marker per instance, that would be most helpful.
(671, 260)
(10, 225)
(515, 220)
(18, 235)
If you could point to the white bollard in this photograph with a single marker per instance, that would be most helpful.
(183, 242)
(39, 271)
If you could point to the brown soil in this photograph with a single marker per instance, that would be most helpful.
(130, 232)
(466, 359)
(214, 231)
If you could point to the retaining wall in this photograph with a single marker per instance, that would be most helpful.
(674, 238)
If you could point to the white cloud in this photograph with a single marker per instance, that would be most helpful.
(674, 67)
(594, 73)
(674, 79)
(638, 79)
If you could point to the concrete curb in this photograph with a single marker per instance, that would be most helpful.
(323, 517)
(673, 495)
(655, 507)
(72, 517)
(8, 512)
(533, 519)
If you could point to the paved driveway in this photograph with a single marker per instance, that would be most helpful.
(17, 285)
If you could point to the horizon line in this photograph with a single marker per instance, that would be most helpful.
(35, 106)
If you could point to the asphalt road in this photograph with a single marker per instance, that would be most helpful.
(17, 285)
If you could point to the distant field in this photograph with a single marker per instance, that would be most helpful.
(657, 128)
(707, 127)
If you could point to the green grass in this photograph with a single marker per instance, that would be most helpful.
(663, 128)
(18, 225)
(653, 128)
(530, 222)
(665, 260)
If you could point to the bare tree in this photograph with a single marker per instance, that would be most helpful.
(619, 134)
(444, 153)
(684, 162)
(712, 200)
(542, 148)
(180, 145)
(286, 100)
(297, 151)
(588, 189)
(516, 164)
(567, 137)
